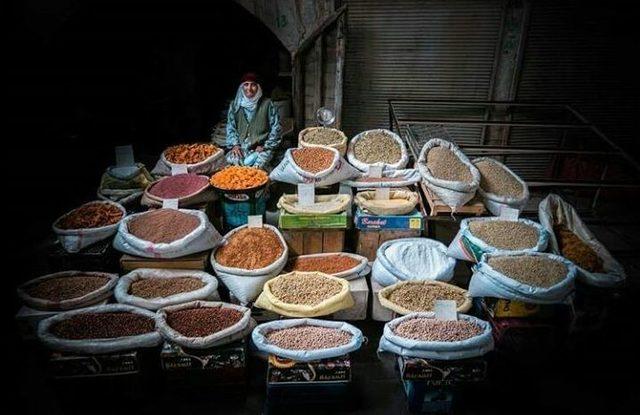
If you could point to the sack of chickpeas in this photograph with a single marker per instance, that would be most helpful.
(320, 165)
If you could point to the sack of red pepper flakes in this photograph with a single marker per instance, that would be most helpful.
(320, 165)
(199, 158)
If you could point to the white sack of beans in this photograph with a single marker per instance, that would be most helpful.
(393, 150)
(337, 170)
(261, 343)
(390, 178)
(454, 193)
(499, 186)
(409, 259)
(521, 235)
(475, 346)
(487, 281)
(207, 166)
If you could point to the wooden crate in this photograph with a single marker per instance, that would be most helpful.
(367, 242)
(314, 241)
(197, 261)
(437, 207)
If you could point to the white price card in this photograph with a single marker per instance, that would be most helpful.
(306, 194)
(124, 156)
(375, 171)
(382, 193)
(170, 203)
(509, 213)
(446, 310)
(179, 169)
(254, 221)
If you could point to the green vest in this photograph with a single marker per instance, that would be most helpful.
(258, 129)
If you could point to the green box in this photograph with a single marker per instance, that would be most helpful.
(320, 221)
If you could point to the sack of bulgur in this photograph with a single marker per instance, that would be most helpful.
(499, 186)
(415, 296)
(305, 294)
(448, 172)
(377, 148)
(200, 158)
(390, 178)
(323, 136)
(481, 235)
(339, 264)
(571, 238)
(421, 335)
(320, 165)
(324, 204)
(124, 184)
(535, 277)
(400, 202)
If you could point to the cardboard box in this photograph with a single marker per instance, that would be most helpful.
(308, 241)
(443, 372)
(378, 312)
(284, 371)
(323, 221)
(68, 366)
(360, 292)
(411, 221)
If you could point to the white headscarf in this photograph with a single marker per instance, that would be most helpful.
(241, 99)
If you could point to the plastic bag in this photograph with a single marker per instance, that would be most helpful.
(362, 166)
(356, 272)
(407, 201)
(287, 171)
(385, 293)
(495, 203)
(207, 166)
(341, 146)
(324, 204)
(390, 178)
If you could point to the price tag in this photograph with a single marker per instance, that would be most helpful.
(509, 213)
(179, 169)
(124, 156)
(306, 194)
(382, 193)
(254, 221)
(170, 203)
(446, 310)
(375, 171)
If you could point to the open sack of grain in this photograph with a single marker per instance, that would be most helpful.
(535, 277)
(100, 329)
(478, 236)
(67, 290)
(448, 172)
(400, 202)
(571, 238)
(422, 335)
(390, 178)
(124, 184)
(339, 264)
(415, 296)
(377, 148)
(166, 233)
(189, 189)
(153, 288)
(323, 136)
(200, 158)
(499, 186)
(88, 224)
(306, 339)
(410, 259)
(204, 324)
(320, 165)
(305, 294)
(324, 204)
(249, 257)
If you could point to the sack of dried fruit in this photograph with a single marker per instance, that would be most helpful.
(390, 178)
(189, 189)
(415, 296)
(400, 202)
(306, 339)
(410, 259)
(153, 288)
(100, 329)
(324, 204)
(320, 165)
(421, 335)
(377, 148)
(305, 294)
(247, 258)
(200, 158)
(124, 184)
(482, 235)
(166, 233)
(535, 277)
(323, 136)
(88, 224)
(448, 173)
(339, 264)
(499, 186)
(571, 238)
(204, 324)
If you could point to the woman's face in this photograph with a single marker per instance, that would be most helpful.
(250, 89)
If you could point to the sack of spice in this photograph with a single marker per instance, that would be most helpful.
(200, 158)
(320, 165)
(306, 339)
(189, 189)
(152, 288)
(377, 148)
(499, 186)
(124, 184)
(448, 172)
(323, 136)
(400, 202)
(204, 324)
(571, 238)
(410, 259)
(535, 277)
(413, 296)
(67, 290)
(339, 264)
(88, 224)
(166, 233)
(390, 178)
(482, 235)
(324, 204)
(305, 294)
(101, 329)
(247, 258)
(421, 335)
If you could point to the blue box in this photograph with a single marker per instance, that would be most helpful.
(365, 221)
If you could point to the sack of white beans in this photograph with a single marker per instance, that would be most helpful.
(389, 178)
(378, 147)
(499, 186)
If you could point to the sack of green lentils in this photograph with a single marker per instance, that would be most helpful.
(323, 136)
(499, 186)
(390, 178)
(320, 165)
(377, 148)
(124, 184)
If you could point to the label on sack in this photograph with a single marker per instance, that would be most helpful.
(375, 171)
(382, 193)
(254, 221)
(170, 204)
(509, 213)
(306, 194)
(446, 310)
(179, 169)
(124, 156)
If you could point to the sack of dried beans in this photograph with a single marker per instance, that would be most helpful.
(499, 186)
(200, 158)
(305, 294)
(124, 184)
(247, 258)
(410, 259)
(421, 335)
(340, 264)
(535, 277)
(448, 172)
(306, 339)
(320, 165)
(413, 296)
(377, 148)
(189, 189)
(166, 233)
(204, 324)
(323, 136)
(100, 329)
(400, 202)
(324, 204)
(571, 238)
(67, 290)
(88, 224)
(482, 235)
(153, 288)
(390, 178)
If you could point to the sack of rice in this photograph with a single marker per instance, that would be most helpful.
(400, 202)
(390, 178)
(499, 186)
(324, 204)
(413, 296)
(571, 238)
(323, 136)
(189, 189)
(448, 172)
(320, 165)
(339, 264)
(200, 158)
(124, 184)
(482, 235)
(377, 148)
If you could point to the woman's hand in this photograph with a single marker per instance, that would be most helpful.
(259, 149)
(236, 151)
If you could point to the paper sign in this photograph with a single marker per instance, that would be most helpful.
(170, 203)
(124, 156)
(446, 310)
(179, 169)
(254, 221)
(382, 193)
(306, 194)
(509, 213)
(375, 171)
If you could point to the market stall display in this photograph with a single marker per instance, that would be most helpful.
(199, 158)
(323, 204)
(323, 136)
(124, 184)
(342, 264)
(377, 148)
(320, 165)
(400, 202)
(413, 296)
(499, 186)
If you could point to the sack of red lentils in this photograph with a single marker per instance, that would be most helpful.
(378, 147)
(189, 189)
(320, 165)
(199, 158)
(499, 186)
(390, 178)
(339, 264)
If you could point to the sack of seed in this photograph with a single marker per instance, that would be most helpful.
(340, 264)
(571, 238)
(204, 324)
(448, 172)
(410, 259)
(478, 236)
(124, 184)
(100, 329)
(320, 165)
(421, 335)
(306, 339)
(199, 158)
(324, 204)
(535, 277)
(377, 148)
(499, 186)
(323, 136)
(305, 294)
(400, 202)
(390, 178)
(414, 296)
